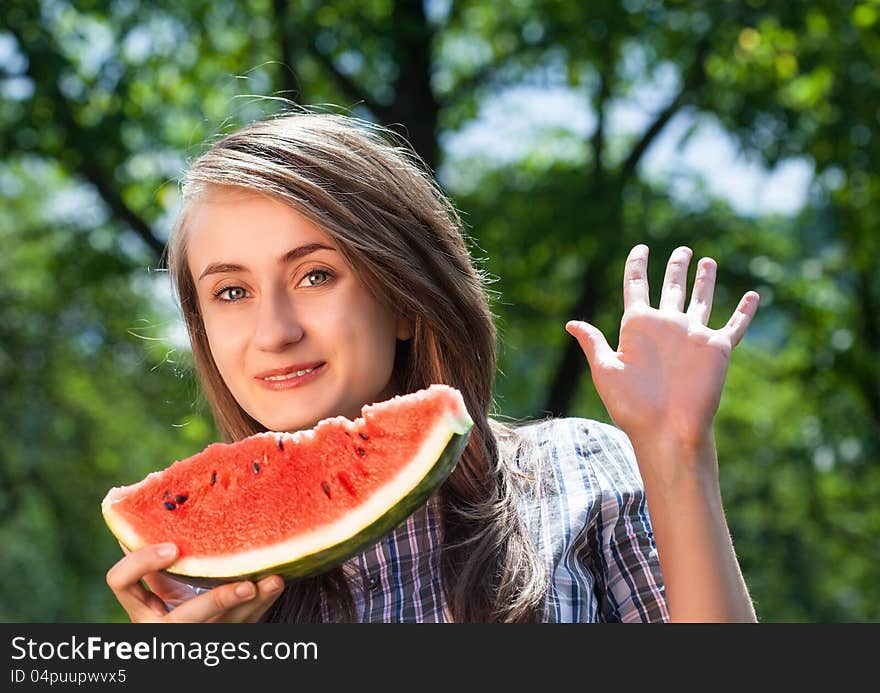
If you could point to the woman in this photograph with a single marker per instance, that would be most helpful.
(320, 268)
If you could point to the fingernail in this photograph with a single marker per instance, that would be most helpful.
(276, 585)
(244, 590)
(166, 550)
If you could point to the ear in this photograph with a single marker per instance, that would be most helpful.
(405, 329)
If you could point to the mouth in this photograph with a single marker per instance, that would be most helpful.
(291, 376)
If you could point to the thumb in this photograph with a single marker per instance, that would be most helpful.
(591, 339)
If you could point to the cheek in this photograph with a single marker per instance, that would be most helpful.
(367, 333)
(223, 343)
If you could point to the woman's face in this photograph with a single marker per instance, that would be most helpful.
(294, 334)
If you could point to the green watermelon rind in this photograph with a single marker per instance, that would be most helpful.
(323, 560)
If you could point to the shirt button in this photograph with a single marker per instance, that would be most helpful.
(374, 583)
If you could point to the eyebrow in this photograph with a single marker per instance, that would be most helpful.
(289, 256)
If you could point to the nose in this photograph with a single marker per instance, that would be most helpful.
(277, 324)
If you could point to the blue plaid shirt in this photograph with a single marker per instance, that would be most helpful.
(588, 519)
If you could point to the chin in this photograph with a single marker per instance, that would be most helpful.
(293, 425)
(284, 425)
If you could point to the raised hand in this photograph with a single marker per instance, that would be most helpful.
(664, 381)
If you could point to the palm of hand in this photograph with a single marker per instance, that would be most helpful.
(667, 374)
(667, 371)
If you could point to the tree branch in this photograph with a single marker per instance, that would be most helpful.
(481, 75)
(92, 172)
(351, 90)
(694, 80)
(604, 93)
(88, 167)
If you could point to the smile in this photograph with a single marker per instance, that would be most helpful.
(283, 381)
(295, 374)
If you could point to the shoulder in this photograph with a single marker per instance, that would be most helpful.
(598, 449)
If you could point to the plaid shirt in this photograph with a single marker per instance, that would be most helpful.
(588, 519)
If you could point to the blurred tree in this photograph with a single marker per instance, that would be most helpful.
(90, 396)
(101, 103)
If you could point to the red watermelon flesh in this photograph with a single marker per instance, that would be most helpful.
(295, 503)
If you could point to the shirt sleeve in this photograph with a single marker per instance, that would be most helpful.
(629, 584)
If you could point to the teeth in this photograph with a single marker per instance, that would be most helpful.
(297, 374)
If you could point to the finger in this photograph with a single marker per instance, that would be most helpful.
(635, 279)
(124, 579)
(214, 604)
(675, 281)
(592, 341)
(139, 603)
(268, 590)
(700, 307)
(135, 564)
(739, 322)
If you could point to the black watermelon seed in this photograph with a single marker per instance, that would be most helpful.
(166, 494)
(326, 488)
(256, 467)
(281, 445)
(180, 499)
(364, 436)
(170, 505)
(213, 478)
(361, 452)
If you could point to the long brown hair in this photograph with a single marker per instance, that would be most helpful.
(405, 241)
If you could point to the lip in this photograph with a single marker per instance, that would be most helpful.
(318, 366)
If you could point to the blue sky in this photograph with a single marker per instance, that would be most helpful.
(708, 155)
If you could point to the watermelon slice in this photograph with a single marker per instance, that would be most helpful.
(295, 504)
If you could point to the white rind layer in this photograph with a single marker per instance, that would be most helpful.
(452, 422)
(123, 531)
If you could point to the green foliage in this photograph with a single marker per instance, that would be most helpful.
(101, 104)
(79, 387)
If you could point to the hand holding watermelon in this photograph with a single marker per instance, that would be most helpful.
(168, 600)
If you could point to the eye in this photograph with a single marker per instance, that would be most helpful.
(231, 293)
(316, 277)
